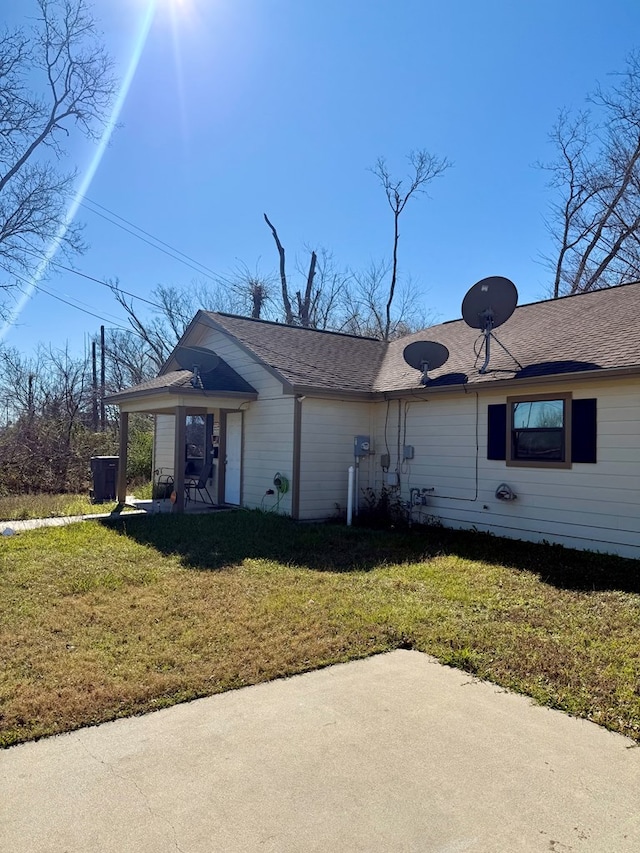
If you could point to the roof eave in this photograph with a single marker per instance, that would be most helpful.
(126, 397)
(490, 385)
(339, 393)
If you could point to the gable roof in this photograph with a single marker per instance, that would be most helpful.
(573, 334)
(308, 357)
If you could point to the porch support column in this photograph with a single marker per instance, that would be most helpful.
(179, 457)
(122, 463)
(295, 472)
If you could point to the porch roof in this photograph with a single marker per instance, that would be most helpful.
(221, 383)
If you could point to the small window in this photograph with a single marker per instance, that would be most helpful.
(195, 442)
(539, 431)
(579, 424)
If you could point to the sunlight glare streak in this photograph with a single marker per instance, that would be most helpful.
(92, 168)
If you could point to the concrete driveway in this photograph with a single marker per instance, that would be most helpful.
(393, 753)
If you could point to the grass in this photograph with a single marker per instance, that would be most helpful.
(22, 507)
(99, 621)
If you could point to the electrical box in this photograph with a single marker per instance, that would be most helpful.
(385, 460)
(362, 445)
(407, 451)
(391, 479)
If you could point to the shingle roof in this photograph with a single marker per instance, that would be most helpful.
(319, 359)
(590, 331)
(223, 379)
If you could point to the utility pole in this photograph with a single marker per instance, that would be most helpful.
(94, 395)
(102, 380)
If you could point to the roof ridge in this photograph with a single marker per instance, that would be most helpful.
(551, 301)
(592, 292)
(291, 326)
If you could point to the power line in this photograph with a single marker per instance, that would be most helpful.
(79, 308)
(199, 269)
(142, 231)
(110, 323)
(111, 287)
(42, 289)
(168, 249)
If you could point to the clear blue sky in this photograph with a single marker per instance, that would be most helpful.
(239, 107)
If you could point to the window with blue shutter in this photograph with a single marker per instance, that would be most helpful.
(543, 431)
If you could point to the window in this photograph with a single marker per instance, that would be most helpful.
(200, 449)
(538, 431)
(543, 431)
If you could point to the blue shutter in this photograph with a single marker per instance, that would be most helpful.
(584, 430)
(497, 431)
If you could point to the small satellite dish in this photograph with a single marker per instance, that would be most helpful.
(487, 305)
(201, 358)
(425, 356)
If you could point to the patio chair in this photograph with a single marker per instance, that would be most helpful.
(198, 486)
(163, 484)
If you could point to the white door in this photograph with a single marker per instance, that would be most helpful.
(233, 458)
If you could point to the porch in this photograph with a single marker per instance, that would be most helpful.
(205, 438)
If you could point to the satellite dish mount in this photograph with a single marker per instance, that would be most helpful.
(487, 331)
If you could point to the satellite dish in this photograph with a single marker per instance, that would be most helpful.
(487, 305)
(490, 301)
(425, 356)
(200, 358)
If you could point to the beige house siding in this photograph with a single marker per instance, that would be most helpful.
(163, 442)
(594, 506)
(267, 449)
(267, 430)
(326, 452)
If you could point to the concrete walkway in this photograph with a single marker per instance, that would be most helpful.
(134, 507)
(393, 753)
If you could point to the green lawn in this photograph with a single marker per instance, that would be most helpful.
(20, 507)
(101, 620)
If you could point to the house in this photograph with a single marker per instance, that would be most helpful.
(544, 445)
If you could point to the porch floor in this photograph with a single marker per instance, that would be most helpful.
(154, 507)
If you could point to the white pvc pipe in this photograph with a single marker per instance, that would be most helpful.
(356, 489)
(350, 495)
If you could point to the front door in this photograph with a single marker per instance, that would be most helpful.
(233, 458)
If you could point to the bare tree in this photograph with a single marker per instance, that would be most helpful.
(247, 292)
(425, 168)
(595, 217)
(127, 360)
(53, 80)
(364, 305)
(46, 439)
(325, 303)
(173, 308)
(47, 428)
(305, 301)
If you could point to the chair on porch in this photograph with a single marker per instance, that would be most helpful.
(198, 486)
(164, 483)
